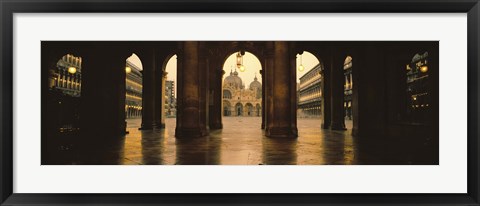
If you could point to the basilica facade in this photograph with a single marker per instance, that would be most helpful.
(241, 101)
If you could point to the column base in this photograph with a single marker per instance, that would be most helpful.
(190, 132)
(160, 126)
(216, 126)
(282, 132)
(337, 126)
(355, 132)
(147, 127)
(325, 126)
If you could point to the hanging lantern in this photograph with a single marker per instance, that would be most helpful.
(128, 70)
(301, 67)
(240, 65)
(72, 70)
(239, 59)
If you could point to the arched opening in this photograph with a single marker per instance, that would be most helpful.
(133, 87)
(239, 110)
(309, 91)
(227, 108)
(249, 110)
(348, 92)
(417, 82)
(133, 91)
(242, 88)
(169, 94)
(65, 90)
(63, 108)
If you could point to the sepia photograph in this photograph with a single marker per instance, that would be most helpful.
(240, 103)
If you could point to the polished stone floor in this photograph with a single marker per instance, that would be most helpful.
(240, 142)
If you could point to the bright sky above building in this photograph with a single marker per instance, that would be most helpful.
(308, 60)
(135, 61)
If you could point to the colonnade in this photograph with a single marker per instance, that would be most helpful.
(199, 83)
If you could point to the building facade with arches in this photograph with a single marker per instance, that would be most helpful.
(67, 77)
(310, 93)
(133, 91)
(241, 101)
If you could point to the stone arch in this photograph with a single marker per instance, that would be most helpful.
(309, 79)
(258, 110)
(219, 53)
(238, 109)
(227, 108)
(232, 47)
(249, 110)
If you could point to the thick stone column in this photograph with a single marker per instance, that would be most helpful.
(162, 101)
(370, 112)
(281, 124)
(189, 86)
(268, 85)
(158, 94)
(337, 90)
(103, 92)
(148, 90)
(263, 99)
(203, 87)
(215, 101)
(326, 98)
(293, 88)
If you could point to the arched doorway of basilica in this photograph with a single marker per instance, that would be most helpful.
(227, 108)
(258, 110)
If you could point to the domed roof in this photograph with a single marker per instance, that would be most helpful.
(255, 83)
(233, 80)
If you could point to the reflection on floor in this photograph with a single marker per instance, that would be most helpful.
(241, 142)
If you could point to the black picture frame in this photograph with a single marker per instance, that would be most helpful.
(10, 7)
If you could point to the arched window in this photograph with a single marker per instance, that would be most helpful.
(227, 94)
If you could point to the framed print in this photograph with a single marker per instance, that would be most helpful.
(254, 103)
